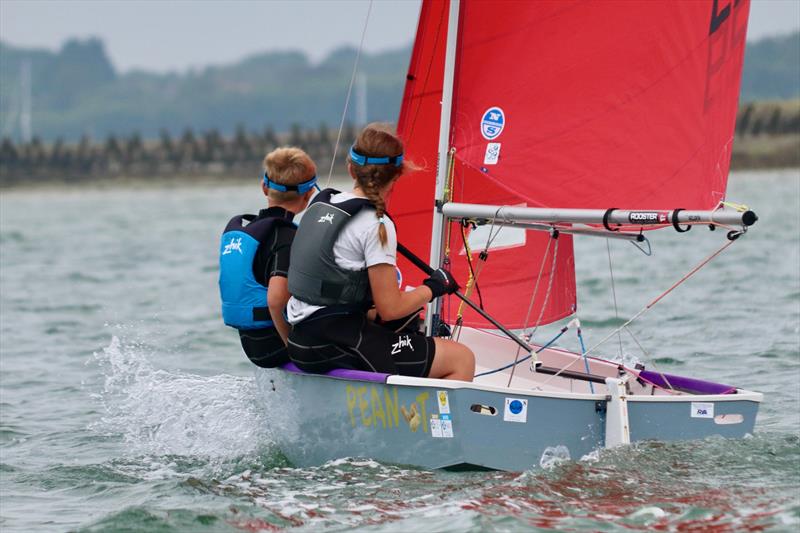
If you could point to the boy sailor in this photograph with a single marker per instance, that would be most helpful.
(254, 258)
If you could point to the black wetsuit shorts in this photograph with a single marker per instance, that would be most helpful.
(322, 343)
(264, 347)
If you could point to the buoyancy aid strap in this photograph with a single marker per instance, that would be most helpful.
(351, 206)
(261, 314)
(323, 196)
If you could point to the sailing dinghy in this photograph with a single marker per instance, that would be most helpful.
(534, 122)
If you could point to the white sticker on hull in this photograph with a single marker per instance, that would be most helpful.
(516, 410)
(436, 427)
(441, 427)
(447, 427)
(443, 401)
(702, 410)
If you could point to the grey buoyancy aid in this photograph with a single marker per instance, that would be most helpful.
(244, 300)
(314, 276)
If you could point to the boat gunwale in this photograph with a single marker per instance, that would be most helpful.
(398, 380)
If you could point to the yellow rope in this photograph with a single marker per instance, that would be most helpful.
(470, 280)
(448, 197)
(738, 207)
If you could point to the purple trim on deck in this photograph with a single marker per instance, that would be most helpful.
(697, 386)
(343, 373)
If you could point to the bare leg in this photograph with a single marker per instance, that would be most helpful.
(453, 360)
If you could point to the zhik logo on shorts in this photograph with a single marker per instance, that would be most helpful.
(402, 342)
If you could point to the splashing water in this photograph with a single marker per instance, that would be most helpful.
(159, 412)
(552, 456)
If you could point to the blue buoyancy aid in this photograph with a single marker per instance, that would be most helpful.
(244, 300)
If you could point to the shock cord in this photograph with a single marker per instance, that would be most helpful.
(349, 92)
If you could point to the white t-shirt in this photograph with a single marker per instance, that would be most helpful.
(356, 248)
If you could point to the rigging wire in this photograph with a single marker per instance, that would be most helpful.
(585, 359)
(650, 358)
(540, 349)
(349, 92)
(646, 308)
(613, 293)
(553, 237)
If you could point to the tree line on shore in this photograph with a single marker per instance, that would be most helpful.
(767, 135)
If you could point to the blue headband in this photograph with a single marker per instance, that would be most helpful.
(300, 188)
(362, 160)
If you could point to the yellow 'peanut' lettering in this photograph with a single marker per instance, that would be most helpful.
(391, 408)
(377, 407)
(363, 404)
(350, 392)
(421, 397)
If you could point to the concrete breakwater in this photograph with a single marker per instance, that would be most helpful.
(767, 136)
(189, 155)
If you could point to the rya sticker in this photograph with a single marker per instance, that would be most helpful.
(492, 154)
(702, 410)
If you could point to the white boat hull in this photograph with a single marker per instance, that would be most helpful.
(434, 423)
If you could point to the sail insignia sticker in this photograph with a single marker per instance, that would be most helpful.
(516, 410)
(492, 123)
(492, 154)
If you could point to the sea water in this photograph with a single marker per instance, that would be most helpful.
(126, 405)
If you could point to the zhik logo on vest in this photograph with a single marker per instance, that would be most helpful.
(402, 342)
(326, 218)
(235, 244)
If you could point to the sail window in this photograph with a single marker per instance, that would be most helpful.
(495, 237)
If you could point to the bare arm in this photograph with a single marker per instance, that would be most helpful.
(390, 302)
(277, 298)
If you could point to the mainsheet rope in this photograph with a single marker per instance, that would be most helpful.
(646, 308)
(349, 92)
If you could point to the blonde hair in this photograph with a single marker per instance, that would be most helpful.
(288, 165)
(378, 140)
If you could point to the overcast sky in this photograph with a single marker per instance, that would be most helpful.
(166, 35)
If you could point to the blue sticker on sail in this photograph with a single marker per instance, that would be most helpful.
(515, 407)
(492, 123)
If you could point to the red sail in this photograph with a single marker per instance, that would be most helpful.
(625, 104)
(506, 283)
(411, 202)
(570, 104)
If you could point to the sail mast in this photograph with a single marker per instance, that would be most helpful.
(437, 229)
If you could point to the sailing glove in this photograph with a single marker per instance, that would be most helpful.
(441, 282)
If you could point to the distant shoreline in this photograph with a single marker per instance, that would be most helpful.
(338, 181)
(766, 152)
(767, 136)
